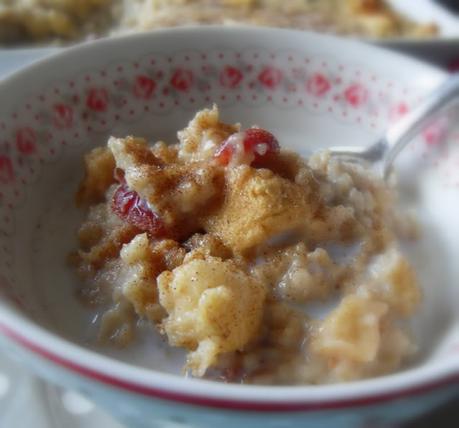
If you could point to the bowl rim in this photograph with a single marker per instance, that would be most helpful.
(204, 393)
(147, 382)
(379, 42)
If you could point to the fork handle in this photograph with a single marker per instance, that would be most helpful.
(402, 132)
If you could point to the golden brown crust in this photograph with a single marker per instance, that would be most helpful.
(98, 176)
(213, 308)
(257, 206)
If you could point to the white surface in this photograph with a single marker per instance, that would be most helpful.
(46, 406)
(11, 60)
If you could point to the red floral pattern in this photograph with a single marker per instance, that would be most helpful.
(26, 140)
(97, 99)
(398, 111)
(6, 170)
(270, 77)
(63, 116)
(230, 77)
(144, 87)
(356, 95)
(182, 80)
(318, 85)
(435, 133)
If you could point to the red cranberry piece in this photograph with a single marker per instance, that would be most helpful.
(261, 143)
(129, 206)
(258, 143)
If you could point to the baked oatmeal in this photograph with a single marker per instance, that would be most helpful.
(35, 20)
(224, 241)
(38, 20)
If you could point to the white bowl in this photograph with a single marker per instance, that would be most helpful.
(311, 91)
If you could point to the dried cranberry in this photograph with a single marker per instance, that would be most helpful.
(261, 143)
(256, 142)
(129, 206)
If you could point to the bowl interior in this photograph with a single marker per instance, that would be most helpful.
(324, 92)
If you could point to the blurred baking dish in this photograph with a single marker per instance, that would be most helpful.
(68, 20)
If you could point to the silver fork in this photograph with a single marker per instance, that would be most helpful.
(394, 140)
